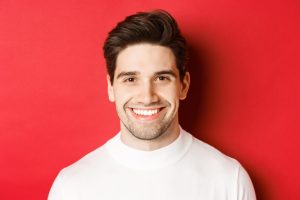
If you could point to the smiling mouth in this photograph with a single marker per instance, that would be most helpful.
(146, 114)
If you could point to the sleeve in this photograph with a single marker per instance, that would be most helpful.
(245, 189)
(61, 190)
(56, 191)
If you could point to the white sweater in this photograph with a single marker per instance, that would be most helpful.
(187, 169)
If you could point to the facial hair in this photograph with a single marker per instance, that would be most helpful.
(146, 131)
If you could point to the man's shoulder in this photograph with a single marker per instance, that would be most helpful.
(209, 164)
(207, 157)
(88, 164)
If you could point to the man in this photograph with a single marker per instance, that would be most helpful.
(152, 157)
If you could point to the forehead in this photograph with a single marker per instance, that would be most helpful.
(145, 58)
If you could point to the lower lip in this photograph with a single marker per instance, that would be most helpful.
(146, 117)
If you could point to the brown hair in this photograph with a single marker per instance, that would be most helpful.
(156, 27)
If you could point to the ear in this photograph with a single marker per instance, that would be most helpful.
(185, 84)
(110, 90)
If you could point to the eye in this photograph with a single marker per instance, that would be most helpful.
(162, 78)
(129, 79)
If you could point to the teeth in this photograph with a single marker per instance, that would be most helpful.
(145, 112)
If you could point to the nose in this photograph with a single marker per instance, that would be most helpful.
(147, 94)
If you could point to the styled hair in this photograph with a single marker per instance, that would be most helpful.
(155, 27)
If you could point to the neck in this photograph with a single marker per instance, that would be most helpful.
(165, 139)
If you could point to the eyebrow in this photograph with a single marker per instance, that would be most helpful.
(130, 73)
(166, 72)
(133, 73)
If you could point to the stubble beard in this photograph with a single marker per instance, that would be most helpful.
(147, 131)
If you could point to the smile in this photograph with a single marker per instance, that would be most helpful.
(146, 114)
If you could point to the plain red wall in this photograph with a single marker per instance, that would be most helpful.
(244, 98)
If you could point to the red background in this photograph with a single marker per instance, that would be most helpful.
(244, 98)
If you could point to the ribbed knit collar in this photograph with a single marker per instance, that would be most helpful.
(147, 160)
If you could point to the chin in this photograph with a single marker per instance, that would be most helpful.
(147, 132)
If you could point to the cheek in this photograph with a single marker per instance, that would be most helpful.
(122, 95)
(172, 90)
(170, 94)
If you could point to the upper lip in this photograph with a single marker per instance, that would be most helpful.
(155, 108)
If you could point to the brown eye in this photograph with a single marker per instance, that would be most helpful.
(162, 78)
(130, 79)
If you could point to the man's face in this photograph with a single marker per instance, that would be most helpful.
(146, 90)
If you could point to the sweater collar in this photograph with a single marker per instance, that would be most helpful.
(147, 160)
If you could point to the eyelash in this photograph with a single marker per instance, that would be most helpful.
(163, 78)
(130, 79)
(158, 78)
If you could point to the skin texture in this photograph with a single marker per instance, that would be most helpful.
(147, 80)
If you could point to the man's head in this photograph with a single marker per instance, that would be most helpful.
(146, 56)
(156, 27)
